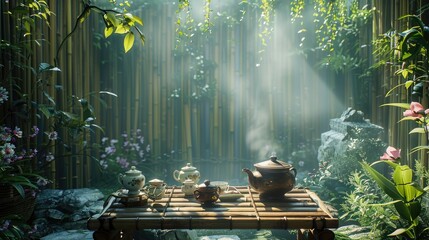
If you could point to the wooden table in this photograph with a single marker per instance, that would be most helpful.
(301, 209)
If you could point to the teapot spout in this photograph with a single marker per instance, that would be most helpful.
(249, 173)
(251, 177)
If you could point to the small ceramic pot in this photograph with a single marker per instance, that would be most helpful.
(207, 193)
(133, 180)
(188, 187)
(156, 189)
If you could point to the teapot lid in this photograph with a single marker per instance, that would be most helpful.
(188, 168)
(156, 181)
(206, 185)
(188, 181)
(273, 164)
(133, 172)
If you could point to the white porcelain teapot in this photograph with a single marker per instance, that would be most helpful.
(133, 180)
(187, 172)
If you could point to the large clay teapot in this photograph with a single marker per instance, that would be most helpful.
(272, 178)
(187, 172)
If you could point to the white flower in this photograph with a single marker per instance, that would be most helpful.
(8, 150)
(4, 95)
(52, 135)
(50, 157)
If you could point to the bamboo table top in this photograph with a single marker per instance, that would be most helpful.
(301, 209)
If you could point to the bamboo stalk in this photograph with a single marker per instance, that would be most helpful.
(187, 130)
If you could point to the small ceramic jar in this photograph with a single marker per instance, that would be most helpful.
(188, 187)
(156, 189)
(186, 172)
(207, 193)
(133, 180)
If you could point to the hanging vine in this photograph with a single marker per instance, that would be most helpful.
(191, 36)
(265, 21)
(336, 26)
(187, 27)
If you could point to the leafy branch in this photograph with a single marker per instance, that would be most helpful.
(114, 21)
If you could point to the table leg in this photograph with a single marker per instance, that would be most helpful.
(313, 234)
(304, 234)
(106, 235)
(113, 235)
(127, 235)
(325, 234)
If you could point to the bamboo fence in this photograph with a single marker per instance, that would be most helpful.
(261, 102)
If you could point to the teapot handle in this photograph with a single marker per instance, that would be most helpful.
(120, 177)
(197, 194)
(145, 189)
(176, 175)
(294, 171)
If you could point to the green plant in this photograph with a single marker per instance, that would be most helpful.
(326, 185)
(15, 167)
(9, 230)
(406, 197)
(409, 52)
(360, 204)
(27, 102)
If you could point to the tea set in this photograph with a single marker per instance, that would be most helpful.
(271, 179)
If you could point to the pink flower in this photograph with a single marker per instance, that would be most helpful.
(416, 110)
(391, 154)
(17, 132)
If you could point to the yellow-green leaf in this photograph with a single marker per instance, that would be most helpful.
(404, 74)
(401, 105)
(111, 18)
(128, 15)
(27, 27)
(108, 31)
(419, 148)
(398, 232)
(385, 184)
(34, 6)
(408, 84)
(408, 118)
(403, 177)
(418, 130)
(128, 41)
(122, 29)
(391, 90)
(138, 20)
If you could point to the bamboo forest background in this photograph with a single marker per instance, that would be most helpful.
(220, 99)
